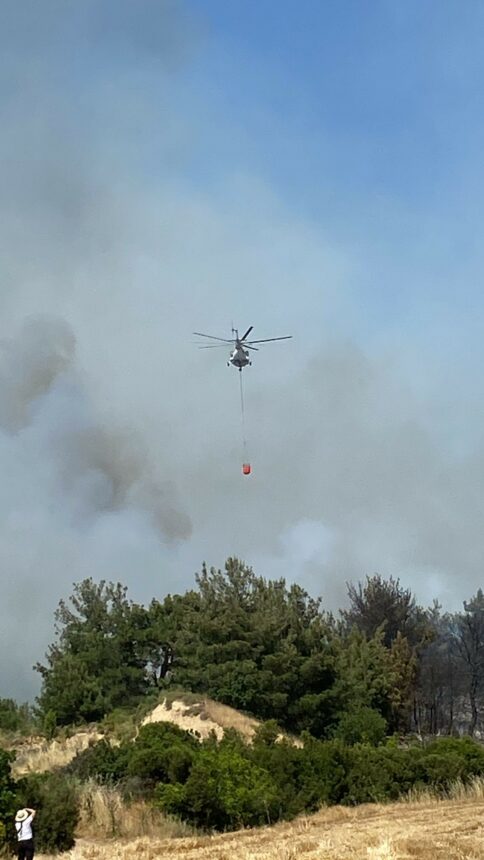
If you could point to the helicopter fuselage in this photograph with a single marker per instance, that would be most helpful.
(239, 357)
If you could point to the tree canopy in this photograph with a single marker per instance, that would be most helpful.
(267, 648)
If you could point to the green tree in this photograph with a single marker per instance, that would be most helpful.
(383, 604)
(404, 666)
(366, 675)
(98, 661)
(255, 644)
(14, 717)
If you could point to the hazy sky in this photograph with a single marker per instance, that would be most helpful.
(311, 168)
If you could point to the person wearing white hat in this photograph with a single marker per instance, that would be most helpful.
(25, 837)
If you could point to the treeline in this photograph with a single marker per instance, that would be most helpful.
(19, 719)
(229, 784)
(272, 650)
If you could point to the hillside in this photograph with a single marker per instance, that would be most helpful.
(36, 755)
(202, 716)
(424, 830)
(199, 715)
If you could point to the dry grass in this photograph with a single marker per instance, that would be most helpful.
(229, 718)
(458, 790)
(429, 829)
(104, 815)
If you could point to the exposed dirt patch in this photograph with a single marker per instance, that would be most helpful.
(203, 718)
(39, 755)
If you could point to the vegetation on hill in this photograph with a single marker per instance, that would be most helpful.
(351, 686)
(271, 650)
(231, 783)
(15, 718)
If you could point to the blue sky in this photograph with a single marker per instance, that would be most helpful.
(365, 118)
(368, 97)
(310, 168)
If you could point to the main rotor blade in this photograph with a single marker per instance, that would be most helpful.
(250, 347)
(268, 339)
(224, 339)
(247, 332)
(213, 346)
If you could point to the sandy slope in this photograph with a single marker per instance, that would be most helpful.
(203, 718)
(426, 830)
(38, 755)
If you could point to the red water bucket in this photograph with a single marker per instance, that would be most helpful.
(246, 469)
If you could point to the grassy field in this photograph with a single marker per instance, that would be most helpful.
(425, 829)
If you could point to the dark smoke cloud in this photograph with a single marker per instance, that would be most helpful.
(29, 366)
(110, 469)
(120, 447)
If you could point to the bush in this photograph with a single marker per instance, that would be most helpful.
(322, 772)
(229, 784)
(161, 753)
(101, 761)
(447, 759)
(57, 805)
(224, 791)
(363, 726)
(379, 774)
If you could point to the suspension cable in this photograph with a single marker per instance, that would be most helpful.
(242, 412)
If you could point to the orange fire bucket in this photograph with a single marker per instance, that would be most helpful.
(246, 469)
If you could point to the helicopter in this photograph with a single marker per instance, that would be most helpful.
(239, 357)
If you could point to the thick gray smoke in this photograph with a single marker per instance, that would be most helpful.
(120, 447)
(29, 367)
(97, 468)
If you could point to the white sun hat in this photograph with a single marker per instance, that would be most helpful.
(22, 814)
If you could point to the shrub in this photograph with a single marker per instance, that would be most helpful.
(101, 761)
(365, 726)
(161, 753)
(224, 791)
(379, 774)
(322, 772)
(229, 784)
(57, 805)
(447, 759)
